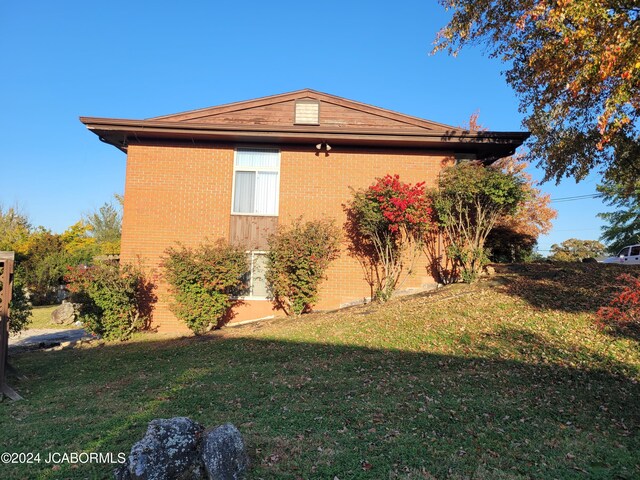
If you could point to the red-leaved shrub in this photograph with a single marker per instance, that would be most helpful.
(623, 312)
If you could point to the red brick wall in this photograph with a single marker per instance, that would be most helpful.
(183, 194)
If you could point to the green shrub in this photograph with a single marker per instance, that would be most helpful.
(19, 308)
(298, 258)
(202, 283)
(114, 301)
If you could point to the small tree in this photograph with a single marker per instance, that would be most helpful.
(387, 223)
(203, 281)
(114, 301)
(470, 200)
(298, 258)
(105, 225)
(574, 250)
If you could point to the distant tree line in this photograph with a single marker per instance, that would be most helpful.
(43, 257)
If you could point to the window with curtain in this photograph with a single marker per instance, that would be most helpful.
(256, 181)
(254, 282)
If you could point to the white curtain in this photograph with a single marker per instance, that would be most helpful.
(257, 176)
(266, 198)
(244, 198)
(258, 282)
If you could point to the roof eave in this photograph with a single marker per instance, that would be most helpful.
(120, 133)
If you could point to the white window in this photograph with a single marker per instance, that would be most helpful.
(255, 283)
(256, 181)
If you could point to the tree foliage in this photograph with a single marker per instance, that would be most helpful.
(44, 266)
(15, 229)
(298, 258)
(105, 226)
(514, 236)
(623, 224)
(622, 314)
(203, 281)
(574, 250)
(575, 66)
(47, 256)
(114, 300)
(470, 200)
(386, 223)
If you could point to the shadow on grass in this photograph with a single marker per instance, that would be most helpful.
(565, 286)
(311, 410)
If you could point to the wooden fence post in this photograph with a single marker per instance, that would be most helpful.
(6, 261)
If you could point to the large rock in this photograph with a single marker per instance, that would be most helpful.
(169, 450)
(224, 454)
(65, 314)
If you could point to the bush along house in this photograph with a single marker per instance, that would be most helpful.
(239, 170)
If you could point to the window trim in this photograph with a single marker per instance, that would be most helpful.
(256, 170)
(253, 297)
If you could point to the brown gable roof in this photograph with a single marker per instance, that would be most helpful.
(279, 110)
(269, 120)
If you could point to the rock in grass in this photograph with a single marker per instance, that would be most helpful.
(169, 450)
(65, 314)
(224, 454)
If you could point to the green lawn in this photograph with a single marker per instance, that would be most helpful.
(504, 380)
(41, 318)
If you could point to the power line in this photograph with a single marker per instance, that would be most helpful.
(574, 198)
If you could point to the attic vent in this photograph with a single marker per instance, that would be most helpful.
(307, 112)
(465, 157)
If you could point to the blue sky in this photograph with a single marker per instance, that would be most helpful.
(142, 59)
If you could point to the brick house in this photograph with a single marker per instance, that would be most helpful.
(235, 171)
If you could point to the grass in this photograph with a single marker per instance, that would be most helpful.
(501, 380)
(41, 318)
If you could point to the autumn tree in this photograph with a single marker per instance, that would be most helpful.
(574, 250)
(386, 224)
(514, 236)
(575, 66)
(623, 224)
(44, 267)
(46, 257)
(14, 229)
(470, 200)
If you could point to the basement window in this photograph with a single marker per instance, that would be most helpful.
(255, 283)
(307, 112)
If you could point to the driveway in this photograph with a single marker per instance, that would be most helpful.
(47, 337)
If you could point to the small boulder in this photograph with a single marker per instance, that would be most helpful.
(224, 454)
(65, 314)
(169, 450)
